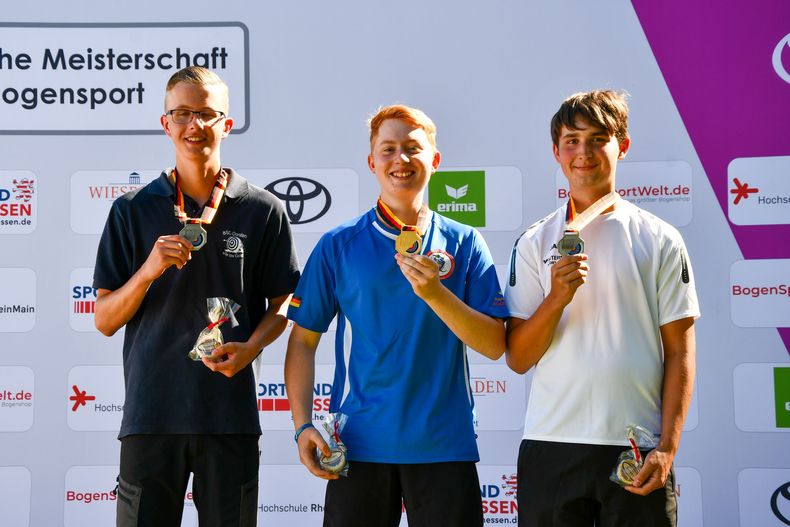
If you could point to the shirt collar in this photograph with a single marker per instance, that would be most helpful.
(237, 185)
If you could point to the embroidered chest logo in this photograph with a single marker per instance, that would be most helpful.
(446, 263)
(234, 244)
(553, 256)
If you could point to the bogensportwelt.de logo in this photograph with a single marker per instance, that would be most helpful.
(18, 201)
(762, 397)
(759, 191)
(90, 498)
(662, 188)
(94, 191)
(94, 398)
(17, 299)
(760, 293)
(17, 398)
(488, 198)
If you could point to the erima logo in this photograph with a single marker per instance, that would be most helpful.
(457, 193)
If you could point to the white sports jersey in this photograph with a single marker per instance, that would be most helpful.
(604, 367)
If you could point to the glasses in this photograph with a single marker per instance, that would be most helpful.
(184, 116)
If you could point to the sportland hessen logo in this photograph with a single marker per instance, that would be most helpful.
(272, 397)
(17, 202)
(460, 195)
(777, 59)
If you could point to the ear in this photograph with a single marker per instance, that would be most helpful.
(556, 151)
(165, 124)
(371, 165)
(437, 158)
(624, 146)
(227, 126)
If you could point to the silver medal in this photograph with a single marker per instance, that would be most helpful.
(196, 234)
(570, 244)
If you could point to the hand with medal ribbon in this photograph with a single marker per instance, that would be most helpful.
(631, 461)
(220, 310)
(336, 462)
(193, 227)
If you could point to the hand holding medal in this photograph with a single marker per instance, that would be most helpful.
(336, 462)
(630, 461)
(571, 242)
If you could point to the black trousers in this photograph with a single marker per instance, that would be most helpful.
(155, 471)
(433, 494)
(567, 484)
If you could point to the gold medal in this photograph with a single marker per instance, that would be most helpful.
(408, 242)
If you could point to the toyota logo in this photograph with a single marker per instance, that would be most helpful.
(777, 59)
(305, 200)
(781, 510)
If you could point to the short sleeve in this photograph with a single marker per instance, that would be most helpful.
(314, 303)
(523, 292)
(483, 291)
(114, 258)
(677, 296)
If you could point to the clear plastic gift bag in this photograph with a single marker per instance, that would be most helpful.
(220, 310)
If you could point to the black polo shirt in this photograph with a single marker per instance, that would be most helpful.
(249, 257)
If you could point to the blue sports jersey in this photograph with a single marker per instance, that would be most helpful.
(401, 375)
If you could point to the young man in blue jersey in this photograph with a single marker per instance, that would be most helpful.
(404, 321)
(603, 304)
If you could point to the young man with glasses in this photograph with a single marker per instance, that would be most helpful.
(198, 231)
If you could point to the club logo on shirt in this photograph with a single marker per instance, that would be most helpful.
(445, 261)
(234, 246)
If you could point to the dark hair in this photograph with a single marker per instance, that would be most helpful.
(605, 109)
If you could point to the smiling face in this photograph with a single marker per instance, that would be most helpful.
(197, 141)
(403, 159)
(588, 156)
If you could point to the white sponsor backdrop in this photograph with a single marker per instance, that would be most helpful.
(304, 77)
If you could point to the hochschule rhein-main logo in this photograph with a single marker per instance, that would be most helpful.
(460, 195)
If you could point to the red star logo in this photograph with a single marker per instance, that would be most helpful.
(80, 398)
(742, 190)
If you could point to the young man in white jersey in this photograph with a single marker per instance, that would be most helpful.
(602, 304)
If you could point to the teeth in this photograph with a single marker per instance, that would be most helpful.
(401, 174)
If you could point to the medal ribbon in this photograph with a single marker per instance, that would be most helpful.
(210, 209)
(578, 222)
(392, 221)
(634, 447)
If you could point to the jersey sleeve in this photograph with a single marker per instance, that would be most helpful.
(314, 303)
(114, 258)
(483, 292)
(523, 291)
(677, 296)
